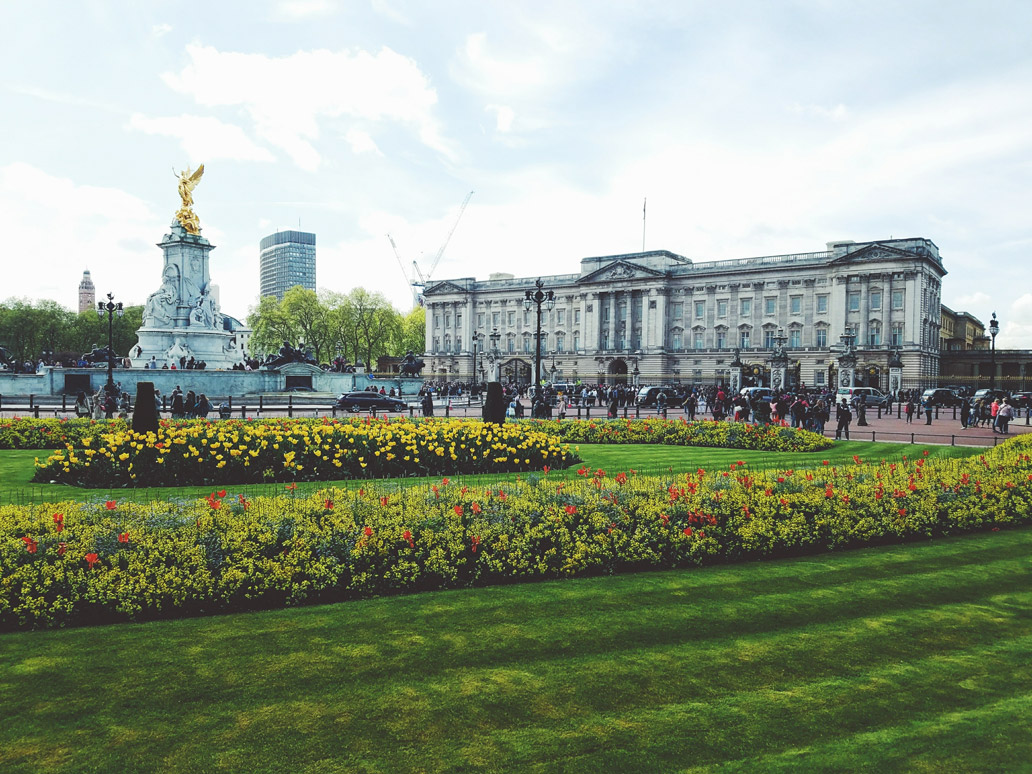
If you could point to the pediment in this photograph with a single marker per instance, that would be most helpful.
(443, 288)
(621, 271)
(874, 252)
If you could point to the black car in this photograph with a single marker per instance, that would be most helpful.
(368, 401)
(1022, 400)
(941, 397)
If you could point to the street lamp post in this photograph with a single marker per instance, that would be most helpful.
(495, 354)
(535, 299)
(111, 308)
(994, 329)
(477, 338)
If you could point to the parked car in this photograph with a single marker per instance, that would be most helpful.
(647, 396)
(367, 401)
(940, 396)
(1022, 400)
(991, 395)
(871, 396)
(762, 394)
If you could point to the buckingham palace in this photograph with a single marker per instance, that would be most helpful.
(659, 318)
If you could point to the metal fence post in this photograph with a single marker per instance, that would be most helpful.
(290, 406)
(243, 412)
(64, 402)
(32, 400)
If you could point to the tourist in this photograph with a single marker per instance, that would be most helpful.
(929, 407)
(203, 406)
(1003, 417)
(190, 405)
(844, 417)
(909, 411)
(965, 414)
(98, 405)
(177, 403)
(82, 405)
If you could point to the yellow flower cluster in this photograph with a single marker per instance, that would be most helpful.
(306, 450)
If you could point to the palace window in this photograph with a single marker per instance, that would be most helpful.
(818, 377)
(897, 299)
(722, 308)
(675, 341)
(511, 319)
(821, 337)
(700, 340)
(795, 337)
(874, 335)
(677, 311)
(496, 319)
(746, 307)
(700, 310)
(576, 316)
(897, 334)
(770, 305)
(560, 316)
(576, 342)
(795, 305)
(853, 301)
(560, 342)
(480, 319)
(822, 304)
(745, 338)
(721, 339)
(768, 338)
(875, 300)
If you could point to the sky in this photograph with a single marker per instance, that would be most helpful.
(751, 127)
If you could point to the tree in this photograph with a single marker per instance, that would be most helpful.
(413, 331)
(271, 327)
(308, 316)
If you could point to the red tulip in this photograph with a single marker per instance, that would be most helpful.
(123, 538)
(222, 493)
(61, 548)
(368, 531)
(91, 559)
(111, 505)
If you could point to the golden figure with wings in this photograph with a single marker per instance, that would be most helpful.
(188, 181)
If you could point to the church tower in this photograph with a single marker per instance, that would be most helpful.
(87, 293)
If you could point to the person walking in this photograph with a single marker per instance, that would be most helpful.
(1003, 417)
(929, 407)
(844, 417)
(909, 411)
(994, 412)
(965, 414)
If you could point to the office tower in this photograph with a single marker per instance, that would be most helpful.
(287, 259)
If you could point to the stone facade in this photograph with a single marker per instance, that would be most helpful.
(675, 320)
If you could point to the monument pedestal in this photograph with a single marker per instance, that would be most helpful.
(182, 318)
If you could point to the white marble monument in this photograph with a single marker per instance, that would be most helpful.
(181, 319)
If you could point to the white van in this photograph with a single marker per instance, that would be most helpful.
(871, 396)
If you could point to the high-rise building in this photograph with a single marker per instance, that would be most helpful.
(287, 259)
(87, 292)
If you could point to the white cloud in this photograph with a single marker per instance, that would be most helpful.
(503, 117)
(361, 142)
(289, 97)
(160, 30)
(970, 301)
(1016, 330)
(64, 228)
(304, 9)
(204, 138)
(836, 113)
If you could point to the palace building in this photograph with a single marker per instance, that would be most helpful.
(660, 318)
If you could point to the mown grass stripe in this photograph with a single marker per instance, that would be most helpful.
(648, 672)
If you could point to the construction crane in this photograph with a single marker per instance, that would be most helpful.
(417, 279)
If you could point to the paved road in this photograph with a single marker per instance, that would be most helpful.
(944, 429)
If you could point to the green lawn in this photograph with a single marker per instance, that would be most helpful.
(893, 659)
(16, 468)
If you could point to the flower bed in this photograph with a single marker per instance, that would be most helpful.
(30, 433)
(238, 452)
(77, 563)
(679, 432)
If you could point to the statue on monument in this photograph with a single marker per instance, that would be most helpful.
(177, 351)
(161, 304)
(206, 312)
(188, 180)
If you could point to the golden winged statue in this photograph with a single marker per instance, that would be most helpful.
(188, 180)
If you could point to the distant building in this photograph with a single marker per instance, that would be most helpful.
(287, 258)
(962, 331)
(87, 293)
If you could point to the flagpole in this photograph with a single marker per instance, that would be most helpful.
(644, 203)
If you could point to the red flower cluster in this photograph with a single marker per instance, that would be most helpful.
(58, 521)
(30, 545)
